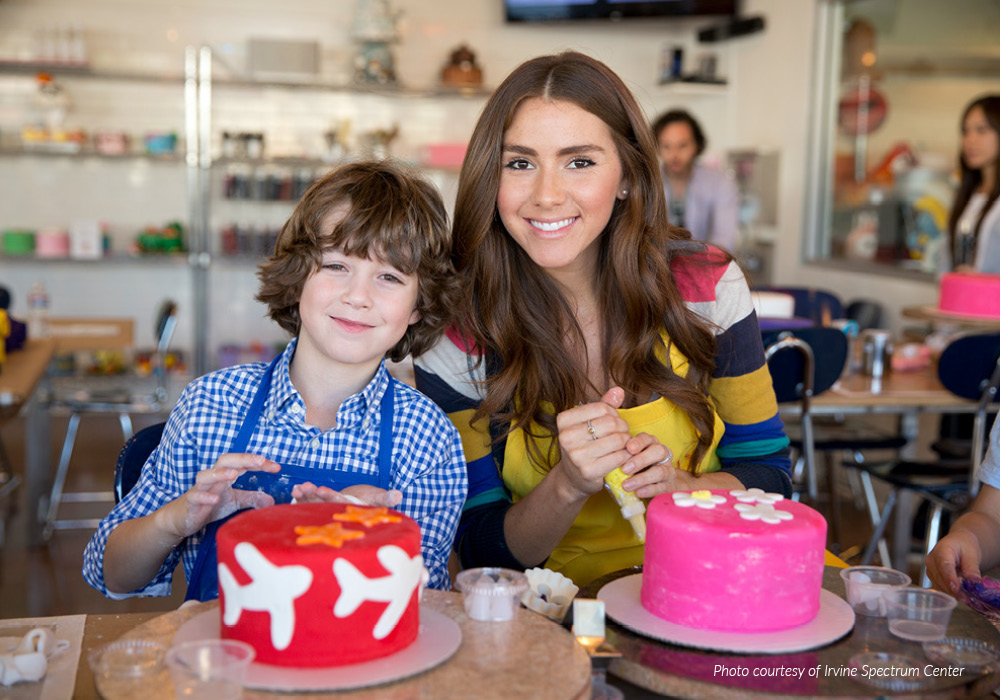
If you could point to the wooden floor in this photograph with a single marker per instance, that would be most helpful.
(46, 580)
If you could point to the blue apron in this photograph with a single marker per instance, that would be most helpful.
(204, 582)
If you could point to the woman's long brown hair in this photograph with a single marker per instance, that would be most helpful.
(513, 311)
(971, 179)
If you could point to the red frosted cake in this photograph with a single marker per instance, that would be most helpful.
(734, 561)
(320, 584)
(970, 294)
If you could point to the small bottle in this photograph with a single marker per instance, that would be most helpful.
(38, 311)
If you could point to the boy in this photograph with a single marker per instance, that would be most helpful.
(360, 271)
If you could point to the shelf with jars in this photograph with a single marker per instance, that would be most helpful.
(227, 157)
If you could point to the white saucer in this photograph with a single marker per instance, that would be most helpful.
(834, 620)
(438, 639)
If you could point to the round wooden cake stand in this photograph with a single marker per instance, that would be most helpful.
(934, 315)
(527, 657)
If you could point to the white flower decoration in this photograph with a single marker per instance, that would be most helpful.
(702, 499)
(756, 496)
(762, 511)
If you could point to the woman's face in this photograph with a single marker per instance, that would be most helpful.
(980, 142)
(559, 179)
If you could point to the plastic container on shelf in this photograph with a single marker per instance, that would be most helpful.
(38, 311)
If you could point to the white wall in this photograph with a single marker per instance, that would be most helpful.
(766, 105)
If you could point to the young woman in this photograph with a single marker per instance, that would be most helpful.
(974, 224)
(593, 334)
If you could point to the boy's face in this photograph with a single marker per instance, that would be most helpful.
(353, 310)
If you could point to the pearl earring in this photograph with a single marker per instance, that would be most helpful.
(624, 194)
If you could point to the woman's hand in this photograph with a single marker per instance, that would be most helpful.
(650, 467)
(213, 497)
(361, 494)
(592, 440)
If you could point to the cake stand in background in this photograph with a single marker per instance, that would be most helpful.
(677, 671)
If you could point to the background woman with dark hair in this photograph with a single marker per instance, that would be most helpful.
(700, 199)
(974, 224)
(593, 335)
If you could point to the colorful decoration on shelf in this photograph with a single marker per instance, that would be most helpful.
(375, 27)
(462, 70)
(167, 239)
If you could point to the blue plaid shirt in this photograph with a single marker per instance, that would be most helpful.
(428, 464)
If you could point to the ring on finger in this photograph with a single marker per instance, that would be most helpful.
(590, 429)
(668, 458)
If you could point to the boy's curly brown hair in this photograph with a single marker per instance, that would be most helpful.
(393, 215)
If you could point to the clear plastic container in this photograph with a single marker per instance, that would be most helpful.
(918, 614)
(491, 594)
(866, 584)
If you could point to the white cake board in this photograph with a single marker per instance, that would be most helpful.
(834, 620)
(437, 640)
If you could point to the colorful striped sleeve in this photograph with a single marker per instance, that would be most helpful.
(741, 386)
(450, 376)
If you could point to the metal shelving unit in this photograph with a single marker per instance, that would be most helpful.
(203, 92)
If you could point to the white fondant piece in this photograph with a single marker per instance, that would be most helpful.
(24, 666)
(686, 499)
(764, 512)
(755, 495)
(438, 640)
(272, 589)
(834, 620)
(396, 589)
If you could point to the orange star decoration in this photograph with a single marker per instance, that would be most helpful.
(332, 534)
(367, 516)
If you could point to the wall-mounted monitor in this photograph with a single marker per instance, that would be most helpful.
(552, 10)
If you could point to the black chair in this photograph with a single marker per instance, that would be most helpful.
(969, 367)
(133, 456)
(818, 305)
(866, 312)
(124, 402)
(804, 362)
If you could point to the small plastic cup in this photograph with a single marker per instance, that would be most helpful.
(209, 669)
(127, 668)
(491, 594)
(919, 614)
(866, 584)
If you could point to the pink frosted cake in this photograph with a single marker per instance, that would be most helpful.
(970, 294)
(735, 561)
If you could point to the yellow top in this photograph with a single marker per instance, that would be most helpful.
(601, 540)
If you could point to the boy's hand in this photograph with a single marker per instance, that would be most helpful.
(213, 497)
(361, 494)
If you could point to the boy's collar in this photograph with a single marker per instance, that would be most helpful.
(370, 396)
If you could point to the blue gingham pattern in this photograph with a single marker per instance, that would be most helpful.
(428, 464)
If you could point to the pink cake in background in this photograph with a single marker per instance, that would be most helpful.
(734, 561)
(970, 294)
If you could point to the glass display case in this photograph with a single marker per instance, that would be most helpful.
(892, 80)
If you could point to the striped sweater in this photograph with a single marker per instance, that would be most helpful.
(753, 447)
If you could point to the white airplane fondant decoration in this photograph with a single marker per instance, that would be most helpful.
(272, 589)
(405, 575)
